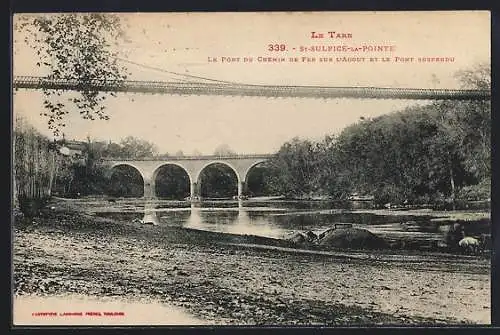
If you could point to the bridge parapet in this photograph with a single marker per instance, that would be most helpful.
(192, 157)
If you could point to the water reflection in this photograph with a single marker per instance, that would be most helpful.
(234, 221)
(150, 215)
(279, 219)
(243, 215)
(194, 220)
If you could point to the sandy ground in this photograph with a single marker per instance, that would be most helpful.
(239, 283)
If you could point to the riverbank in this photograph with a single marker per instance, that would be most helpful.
(237, 279)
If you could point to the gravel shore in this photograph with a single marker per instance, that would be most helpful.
(228, 279)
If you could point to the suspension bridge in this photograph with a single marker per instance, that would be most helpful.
(188, 84)
(205, 86)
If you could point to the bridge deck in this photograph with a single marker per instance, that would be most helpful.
(201, 157)
(236, 89)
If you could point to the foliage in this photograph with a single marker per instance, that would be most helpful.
(172, 182)
(424, 154)
(295, 168)
(259, 181)
(218, 181)
(475, 77)
(477, 192)
(125, 181)
(223, 150)
(133, 148)
(85, 174)
(74, 46)
(34, 168)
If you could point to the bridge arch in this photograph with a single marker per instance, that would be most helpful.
(159, 168)
(247, 171)
(253, 184)
(204, 167)
(113, 169)
(126, 164)
(194, 166)
(198, 174)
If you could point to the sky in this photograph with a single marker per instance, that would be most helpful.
(184, 42)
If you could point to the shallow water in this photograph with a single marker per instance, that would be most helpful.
(83, 310)
(280, 219)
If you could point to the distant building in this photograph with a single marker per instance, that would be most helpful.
(358, 197)
(73, 148)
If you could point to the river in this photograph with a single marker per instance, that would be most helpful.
(282, 219)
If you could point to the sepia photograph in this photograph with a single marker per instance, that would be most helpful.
(251, 169)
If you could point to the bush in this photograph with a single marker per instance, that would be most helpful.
(481, 191)
(454, 235)
(30, 207)
(388, 194)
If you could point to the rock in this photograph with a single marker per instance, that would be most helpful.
(323, 234)
(311, 236)
(351, 238)
(297, 238)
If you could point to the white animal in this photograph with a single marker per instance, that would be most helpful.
(470, 244)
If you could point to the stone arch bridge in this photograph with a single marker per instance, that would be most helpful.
(193, 166)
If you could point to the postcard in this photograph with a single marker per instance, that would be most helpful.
(264, 169)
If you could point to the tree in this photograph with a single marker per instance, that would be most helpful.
(294, 169)
(74, 46)
(467, 124)
(126, 181)
(164, 155)
(223, 150)
(132, 147)
(34, 168)
(258, 180)
(218, 181)
(172, 182)
(476, 120)
(475, 77)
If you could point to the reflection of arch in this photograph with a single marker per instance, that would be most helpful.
(238, 177)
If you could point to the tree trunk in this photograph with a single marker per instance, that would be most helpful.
(452, 184)
(52, 172)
